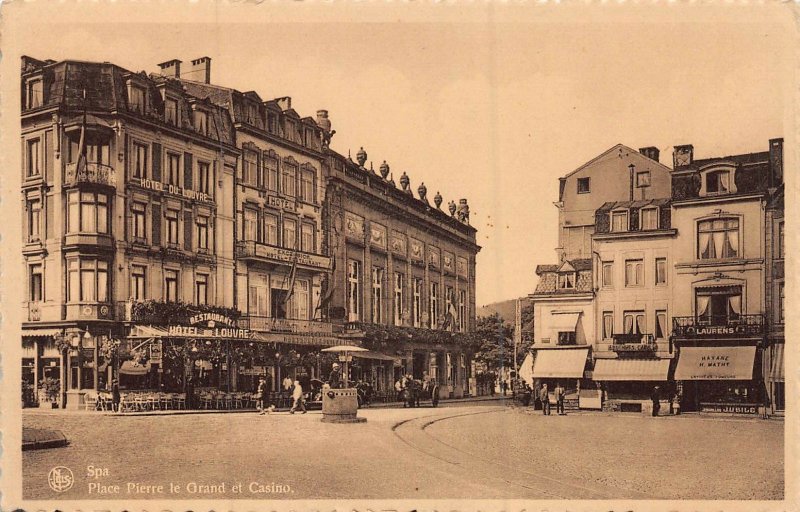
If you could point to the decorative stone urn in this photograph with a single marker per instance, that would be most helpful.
(405, 183)
(422, 190)
(451, 206)
(437, 200)
(361, 157)
(384, 169)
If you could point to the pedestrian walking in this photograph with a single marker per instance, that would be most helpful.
(287, 383)
(545, 398)
(504, 387)
(561, 394)
(299, 401)
(335, 379)
(398, 388)
(263, 395)
(656, 398)
(115, 396)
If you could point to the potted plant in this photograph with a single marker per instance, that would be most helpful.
(49, 388)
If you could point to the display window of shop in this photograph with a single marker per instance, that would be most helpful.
(270, 229)
(719, 306)
(87, 212)
(399, 288)
(201, 289)
(34, 209)
(138, 282)
(377, 295)
(633, 322)
(171, 285)
(353, 290)
(173, 169)
(87, 280)
(416, 311)
(608, 325)
(433, 367)
(718, 239)
(289, 233)
(36, 280)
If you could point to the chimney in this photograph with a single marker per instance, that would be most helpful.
(201, 70)
(285, 102)
(171, 68)
(776, 161)
(323, 121)
(682, 156)
(650, 152)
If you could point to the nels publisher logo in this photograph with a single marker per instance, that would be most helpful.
(60, 479)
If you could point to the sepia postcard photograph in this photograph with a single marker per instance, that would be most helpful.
(396, 256)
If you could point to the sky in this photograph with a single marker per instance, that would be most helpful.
(494, 112)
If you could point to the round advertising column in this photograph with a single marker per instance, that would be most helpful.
(340, 406)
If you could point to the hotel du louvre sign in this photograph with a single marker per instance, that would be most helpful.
(174, 190)
(205, 325)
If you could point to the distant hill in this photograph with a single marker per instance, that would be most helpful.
(505, 308)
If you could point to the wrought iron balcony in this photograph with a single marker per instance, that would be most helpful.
(727, 326)
(90, 172)
(634, 343)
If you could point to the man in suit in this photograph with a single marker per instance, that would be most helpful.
(545, 398)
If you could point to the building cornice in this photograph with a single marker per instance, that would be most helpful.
(627, 235)
(699, 201)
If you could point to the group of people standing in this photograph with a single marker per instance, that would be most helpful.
(298, 396)
(543, 396)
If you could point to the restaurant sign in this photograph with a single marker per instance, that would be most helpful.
(729, 408)
(211, 319)
(215, 332)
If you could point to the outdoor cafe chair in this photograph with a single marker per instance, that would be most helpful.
(180, 400)
(165, 401)
(153, 401)
(90, 401)
(139, 402)
(238, 403)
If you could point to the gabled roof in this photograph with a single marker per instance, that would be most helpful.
(616, 148)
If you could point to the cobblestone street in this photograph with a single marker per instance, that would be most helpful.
(465, 451)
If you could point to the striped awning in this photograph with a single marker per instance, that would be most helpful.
(40, 332)
(776, 366)
(631, 369)
(560, 363)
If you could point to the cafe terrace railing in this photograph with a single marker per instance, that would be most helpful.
(732, 326)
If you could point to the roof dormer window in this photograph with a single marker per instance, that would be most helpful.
(619, 220)
(566, 281)
(717, 181)
(34, 93)
(171, 111)
(649, 219)
(201, 121)
(136, 98)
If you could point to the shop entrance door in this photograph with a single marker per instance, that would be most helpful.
(419, 366)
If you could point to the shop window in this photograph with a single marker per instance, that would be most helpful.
(566, 281)
(719, 306)
(87, 280)
(634, 272)
(172, 227)
(718, 182)
(649, 218)
(171, 289)
(307, 237)
(201, 289)
(139, 167)
(583, 185)
(643, 179)
(633, 322)
(202, 233)
(608, 325)
(270, 229)
(619, 221)
(608, 274)
(399, 280)
(417, 302)
(717, 239)
(87, 212)
(138, 282)
(661, 271)
(353, 291)
(33, 154)
(289, 234)
(377, 295)
(34, 220)
(661, 324)
(250, 226)
(139, 222)
(174, 169)
(36, 283)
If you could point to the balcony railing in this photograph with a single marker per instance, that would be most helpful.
(729, 326)
(285, 325)
(90, 172)
(634, 343)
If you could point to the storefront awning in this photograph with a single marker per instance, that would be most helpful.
(715, 363)
(147, 331)
(630, 369)
(564, 322)
(526, 370)
(129, 368)
(776, 371)
(560, 363)
(373, 355)
(40, 332)
(297, 339)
